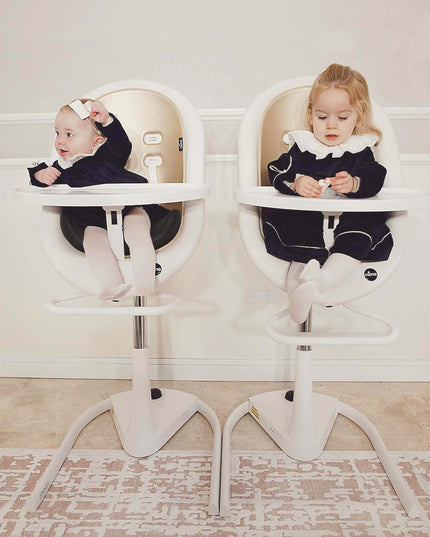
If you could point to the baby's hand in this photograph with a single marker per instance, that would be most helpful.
(100, 113)
(343, 183)
(47, 176)
(307, 187)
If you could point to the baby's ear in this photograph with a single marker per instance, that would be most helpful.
(98, 140)
(310, 116)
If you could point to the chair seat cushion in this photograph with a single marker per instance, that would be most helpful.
(163, 231)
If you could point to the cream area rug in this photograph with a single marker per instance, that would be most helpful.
(109, 494)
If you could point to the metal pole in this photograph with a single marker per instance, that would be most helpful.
(140, 325)
(303, 328)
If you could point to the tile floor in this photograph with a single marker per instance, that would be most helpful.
(36, 413)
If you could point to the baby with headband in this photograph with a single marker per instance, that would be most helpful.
(93, 149)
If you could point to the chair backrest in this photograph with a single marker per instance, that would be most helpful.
(154, 125)
(275, 112)
(161, 124)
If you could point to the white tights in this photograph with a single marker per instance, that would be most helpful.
(105, 265)
(307, 282)
(137, 235)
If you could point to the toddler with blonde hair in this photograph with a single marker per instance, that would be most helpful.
(334, 158)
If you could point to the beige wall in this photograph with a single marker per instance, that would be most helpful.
(219, 53)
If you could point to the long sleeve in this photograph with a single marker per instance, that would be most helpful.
(33, 171)
(371, 175)
(117, 147)
(282, 173)
(42, 166)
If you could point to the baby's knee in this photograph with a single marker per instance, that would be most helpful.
(94, 235)
(138, 213)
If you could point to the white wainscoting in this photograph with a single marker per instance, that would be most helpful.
(217, 332)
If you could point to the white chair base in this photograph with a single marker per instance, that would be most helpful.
(165, 417)
(279, 419)
(144, 425)
(301, 429)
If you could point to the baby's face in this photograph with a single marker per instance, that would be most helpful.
(332, 117)
(74, 136)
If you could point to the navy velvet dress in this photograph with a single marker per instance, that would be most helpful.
(105, 166)
(298, 235)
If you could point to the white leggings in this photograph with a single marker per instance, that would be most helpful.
(105, 265)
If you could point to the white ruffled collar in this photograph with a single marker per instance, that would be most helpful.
(64, 164)
(306, 141)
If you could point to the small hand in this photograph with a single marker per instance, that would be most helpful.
(342, 182)
(307, 187)
(47, 176)
(100, 113)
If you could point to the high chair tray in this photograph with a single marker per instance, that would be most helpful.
(388, 199)
(110, 195)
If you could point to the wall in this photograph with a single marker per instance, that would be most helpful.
(220, 55)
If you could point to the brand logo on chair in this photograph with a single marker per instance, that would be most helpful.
(370, 274)
(158, 269)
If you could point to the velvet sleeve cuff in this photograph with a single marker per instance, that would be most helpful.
(34, 170)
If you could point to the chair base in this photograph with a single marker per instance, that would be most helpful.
(169, 414)
(143, 431)
(144, 426)
(275, 415)
(301, 429)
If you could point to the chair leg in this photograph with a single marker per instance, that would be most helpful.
(144, 425)
(60, 456)
(301, 428)
(270, 402)
(403, 492)
(234, 417)
(214, 494)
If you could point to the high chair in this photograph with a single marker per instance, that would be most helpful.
(300, 421)
(168, 149)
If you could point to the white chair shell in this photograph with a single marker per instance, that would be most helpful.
(251, 167)
(72, 264)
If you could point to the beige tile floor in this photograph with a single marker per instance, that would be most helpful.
(36, 413)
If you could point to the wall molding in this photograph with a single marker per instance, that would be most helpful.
(324, 369)
(329, 369)
(415, 158)
(407, 112)
(27, 118)
(47, 118)
(227, 158)
(221, 114)
(208, 114)
(21, 162)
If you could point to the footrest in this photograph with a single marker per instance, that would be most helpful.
(166, 303)
(383, 337)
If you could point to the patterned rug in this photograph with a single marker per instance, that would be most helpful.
(109, 494)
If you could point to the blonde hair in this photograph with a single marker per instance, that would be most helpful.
(67, 108)
(354, 83)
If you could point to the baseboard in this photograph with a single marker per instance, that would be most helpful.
(226, 369)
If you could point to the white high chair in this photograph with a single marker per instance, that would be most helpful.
(300, 421)
(168, 148)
